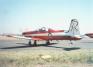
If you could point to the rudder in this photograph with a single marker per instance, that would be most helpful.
(74, 27)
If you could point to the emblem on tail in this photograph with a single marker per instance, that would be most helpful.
(74, 27)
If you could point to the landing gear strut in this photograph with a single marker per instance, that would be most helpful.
(48, 42)
(29, 43)
(71, 42)
(35, 43)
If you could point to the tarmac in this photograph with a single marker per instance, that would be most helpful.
(13, 44)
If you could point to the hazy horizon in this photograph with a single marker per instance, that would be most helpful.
(17, 16)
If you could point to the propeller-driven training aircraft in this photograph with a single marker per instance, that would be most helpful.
(50, 34)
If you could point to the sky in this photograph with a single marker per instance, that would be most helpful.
(17, 16)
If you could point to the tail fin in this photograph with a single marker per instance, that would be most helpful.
(74, 27)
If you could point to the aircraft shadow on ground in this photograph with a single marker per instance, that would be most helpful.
(23, 45)
(66, 48)
(15, 47)
(86, 42)
(71, 48)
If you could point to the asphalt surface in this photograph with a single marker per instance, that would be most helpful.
(19, 45)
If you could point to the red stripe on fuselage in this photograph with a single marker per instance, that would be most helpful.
(41, 32)
(56, 37)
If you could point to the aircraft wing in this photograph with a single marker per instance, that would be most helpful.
(21, 37)
(26, 38)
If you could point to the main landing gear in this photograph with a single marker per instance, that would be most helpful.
(47, 42)
(35, 43)
(71, 42)
(30, 43)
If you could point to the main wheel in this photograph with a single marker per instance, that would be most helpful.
(29, 43)
(48, 42)
(35, 43)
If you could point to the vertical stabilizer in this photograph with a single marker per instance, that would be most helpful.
(74, 27)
